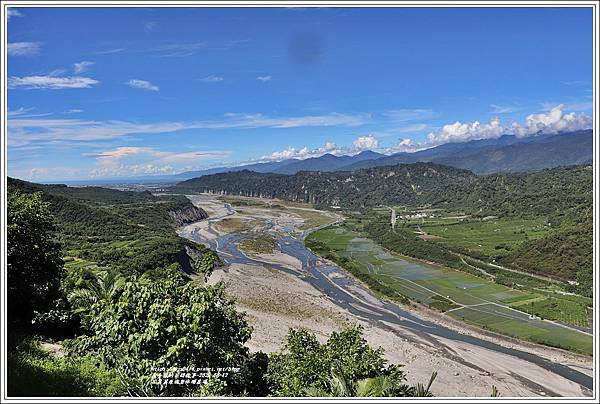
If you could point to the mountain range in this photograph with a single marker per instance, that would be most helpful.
(506, 154)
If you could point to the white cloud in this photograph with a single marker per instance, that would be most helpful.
(171, 157)
(259, 120)
(575, 105)
(25, 113)
(362, 143)
(84, 130)
(333, 119)
(13, 12)
(20, 111)
(403, 145)
(290, 153)
(403, 115)
(110, 51)
(23, 48)
(554, 121)
(143, 84)
(263, 78)
(47, 173)
(50, 82)
(212, 79)
(131, 161)
(330, 146)
(503, 109)
(177, 49)
(82, 66)
(73, 111)
(462, 132)
(368, 142)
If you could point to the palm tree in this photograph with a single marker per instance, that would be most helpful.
(380, 386)
(103, 286)
(422, 391)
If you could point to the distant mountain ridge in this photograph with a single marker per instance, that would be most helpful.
(506, 154)
(326, 162)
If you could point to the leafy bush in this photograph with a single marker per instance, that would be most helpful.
(206, 264)
(306, 364)
(172, 322)
(34, 264)
(34, 372)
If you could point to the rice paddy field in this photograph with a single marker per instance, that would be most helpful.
(466, 297)
(492, 238)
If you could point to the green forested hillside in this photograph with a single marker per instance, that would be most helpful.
(565, 254)
(560, 197)
(564, 192)
(130, 231)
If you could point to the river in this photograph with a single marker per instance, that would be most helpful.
(352, 296)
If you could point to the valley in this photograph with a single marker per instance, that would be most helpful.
(286, 285)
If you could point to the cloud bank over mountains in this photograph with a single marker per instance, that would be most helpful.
(554, 121)
(29, 131)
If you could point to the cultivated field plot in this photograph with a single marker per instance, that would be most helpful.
(312, 218)
(516, 324)
(430, 280)
(475, 300)
(494, 237)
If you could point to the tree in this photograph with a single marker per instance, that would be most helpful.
(206, 264)
(336, 368)
(103, 286)
(168, 323)
(34, 264)
(380, 386)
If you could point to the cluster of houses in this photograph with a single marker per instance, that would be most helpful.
(418, 215)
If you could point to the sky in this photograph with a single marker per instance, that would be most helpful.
(118, 92)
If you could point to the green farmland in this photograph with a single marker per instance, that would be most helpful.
(464, 296)
(489, 238)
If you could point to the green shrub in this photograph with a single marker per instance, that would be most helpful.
(34, 372)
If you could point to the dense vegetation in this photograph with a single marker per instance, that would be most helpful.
(259, 244)
(306, 366)
(34, 265)
(57, 376)
(566, 254)
(478, 293)
(561, 197)
(561, 193)
(130, 231)
(149, 329)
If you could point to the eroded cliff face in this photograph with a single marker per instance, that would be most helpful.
(188, 256)
(188, 215)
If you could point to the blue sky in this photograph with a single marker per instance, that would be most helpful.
(111, 92)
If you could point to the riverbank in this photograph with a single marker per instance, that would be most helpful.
(275, 302)
(277, 294)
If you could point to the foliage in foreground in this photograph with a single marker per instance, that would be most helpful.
(34, 264)
(137, 322)
(172, 322)
(307, 367)
(34, 372)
